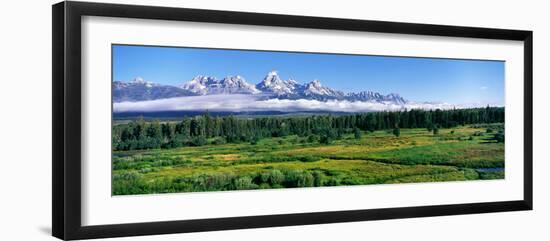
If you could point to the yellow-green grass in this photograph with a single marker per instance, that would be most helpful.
(364, 170)
(378, 157)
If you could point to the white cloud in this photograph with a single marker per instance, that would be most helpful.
(250, 103)
(483, 88)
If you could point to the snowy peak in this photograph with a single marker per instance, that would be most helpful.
(138, 81)
(232, 85)
(316, 83)
(272, 76)
(365, 95)
(292, 82)
(203, 85)
(315, 88)
(393, 97)
(198, 84)
(272, 79)
(141, 81)
(376, 97)
(272, 83)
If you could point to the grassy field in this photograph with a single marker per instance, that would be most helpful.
(457, 154)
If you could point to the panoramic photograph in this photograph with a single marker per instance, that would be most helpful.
(203, 120)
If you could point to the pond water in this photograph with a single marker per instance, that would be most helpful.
(492, 169)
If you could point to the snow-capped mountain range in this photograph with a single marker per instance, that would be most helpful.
(271, 87)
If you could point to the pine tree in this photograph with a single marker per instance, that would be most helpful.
(396, 131)
(356, 133)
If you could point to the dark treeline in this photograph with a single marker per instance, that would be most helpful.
(196, 131)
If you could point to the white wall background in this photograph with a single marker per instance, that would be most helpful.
(25, 123)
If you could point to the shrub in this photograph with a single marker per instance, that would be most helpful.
(339, 134)
(276, 177)
(264, 186)
(396, 132)
(218, 181)
(254, 140)
(357, 133)
(318, 178)
(232, 139)
(264, 177)
(146, 170)
(312, 138)
(333, 181)
(199, 141)
(128, 182)
(297, 178)
(325, 139)
(244, 182)
(499, 137)
(430, 127)
(306, 180)
(219, 141)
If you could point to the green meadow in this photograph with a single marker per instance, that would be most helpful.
(461, 153)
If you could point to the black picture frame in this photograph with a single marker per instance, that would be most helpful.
(66, 158)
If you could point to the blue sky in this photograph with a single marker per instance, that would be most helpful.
(416, 79)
